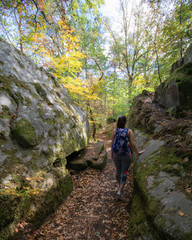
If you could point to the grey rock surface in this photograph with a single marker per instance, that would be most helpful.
(39, 127)
(93, 156)
(166, 207)
(188, 55)
(36, 110)
(175, 92)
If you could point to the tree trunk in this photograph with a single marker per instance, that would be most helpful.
(181, 39)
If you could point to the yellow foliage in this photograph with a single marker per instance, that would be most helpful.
(139, 81)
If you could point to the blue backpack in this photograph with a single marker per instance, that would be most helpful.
(120, 143)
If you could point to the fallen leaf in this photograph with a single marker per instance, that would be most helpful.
(186, 160)
(181, 213)
(188, 190)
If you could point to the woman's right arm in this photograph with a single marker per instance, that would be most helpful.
(131, 138)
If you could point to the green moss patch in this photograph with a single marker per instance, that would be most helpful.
(160, 160)
(41, 92)
(18, 208)
(140, 222)
(24, 133)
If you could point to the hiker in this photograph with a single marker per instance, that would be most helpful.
(122, 146)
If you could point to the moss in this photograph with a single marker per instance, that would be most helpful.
(13, 209)
(52, 199)
(15, 165)
(183, 79)
(140, 222)
(24, 133)
(187, 236)
(17, 209)
(160, 160)
(68, 144)
(83, 143)
(154, 207)
(42, 93)
(172, 210)
(41, 111)
(5, 112)
(16, 96)
(156, 183)
(8, 207)
(20, 63)
(28, 101)
(111, 119)
(3, 138)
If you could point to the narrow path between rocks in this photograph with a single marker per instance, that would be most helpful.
(92, 211)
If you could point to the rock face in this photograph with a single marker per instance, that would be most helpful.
(93, 156)
(161, 209)
(175, 92)
(39, 126)
(162, 204)
(188, 55)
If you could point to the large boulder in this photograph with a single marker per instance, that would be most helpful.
(39, 127)
(175, 92)
(94, 156)
(188, 55)
(162, 203)
(184, 60)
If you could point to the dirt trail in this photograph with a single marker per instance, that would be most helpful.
(92, 211)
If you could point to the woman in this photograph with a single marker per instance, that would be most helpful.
(121, 151)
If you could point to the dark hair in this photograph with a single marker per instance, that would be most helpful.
(121, 122)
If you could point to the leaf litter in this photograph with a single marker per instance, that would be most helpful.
(92, 211)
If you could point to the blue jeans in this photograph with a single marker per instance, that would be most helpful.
(122, 164)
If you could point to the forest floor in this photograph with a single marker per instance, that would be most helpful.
(92, 211)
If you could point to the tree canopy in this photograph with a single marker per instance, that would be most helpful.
(102, 67)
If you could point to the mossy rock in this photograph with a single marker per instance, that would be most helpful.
(49, 201)
(140, 226)
(25, 133)
(78, 164)
(157, 176)
(17, 209)
(8, 207)
(176, 90)
(100, 163)
(99, 146)
(111, 119)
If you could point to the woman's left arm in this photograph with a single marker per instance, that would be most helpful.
(130, 134)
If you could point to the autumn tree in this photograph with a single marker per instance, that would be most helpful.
(176, 21)
(130, 48)
(89, 29)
